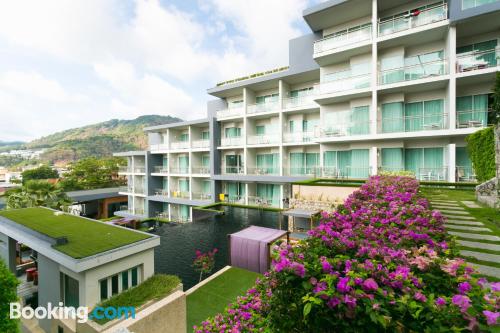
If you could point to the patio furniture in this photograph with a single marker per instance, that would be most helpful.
(30, 274)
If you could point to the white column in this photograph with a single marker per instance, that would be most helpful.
(373, 108)
(451, 162)
(373, 160)
(452, 86)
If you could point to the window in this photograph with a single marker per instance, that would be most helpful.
(266, 99)
(235, 104)
(467, 4)
(184, 137)
(135, 276)
(104, 289)
(60, 329)
(205, 135)
(120, 282)
(260, 129)
(114, 285)
(125, 280)
(301, 92)
(232, 132)
(71, 291)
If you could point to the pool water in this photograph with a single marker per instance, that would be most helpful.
(179, 242)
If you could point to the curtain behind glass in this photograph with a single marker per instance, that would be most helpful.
(392, 159)
(414, 159)
(413, 116)
(359, 163)
(360, 120)
(392, 117)
(433, 114)
(343, 162)
(297, 164)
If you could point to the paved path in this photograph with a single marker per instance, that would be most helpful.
(482, 247)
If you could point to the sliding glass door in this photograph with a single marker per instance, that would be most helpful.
(472, 110)
(270, 193)
(392, 159)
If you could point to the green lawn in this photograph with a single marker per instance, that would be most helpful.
(85, 237)
(212, 298)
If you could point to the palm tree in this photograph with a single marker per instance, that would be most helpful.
(37, 193)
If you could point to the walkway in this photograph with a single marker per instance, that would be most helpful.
(478, 244)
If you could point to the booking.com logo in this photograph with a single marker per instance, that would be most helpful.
(80, 314)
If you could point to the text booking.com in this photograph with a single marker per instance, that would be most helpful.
(80, 314)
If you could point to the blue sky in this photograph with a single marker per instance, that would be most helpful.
(66, 64)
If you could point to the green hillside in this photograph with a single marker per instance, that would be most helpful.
(98, 140)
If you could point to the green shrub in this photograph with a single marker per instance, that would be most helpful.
(481, 148)
(401, 173)
(8, 285)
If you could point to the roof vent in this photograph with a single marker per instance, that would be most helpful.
(62, 240)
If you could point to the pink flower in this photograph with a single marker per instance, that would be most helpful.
(463, 302)
(440, 302)
(495, 286)
(370, 285)
(420, 297)
(491, 317)
(343, 285)
(464, 287)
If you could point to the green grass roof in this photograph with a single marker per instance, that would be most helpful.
(85, 237)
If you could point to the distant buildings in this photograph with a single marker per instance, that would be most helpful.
(27, 154)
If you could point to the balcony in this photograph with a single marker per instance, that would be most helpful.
(475, 60)
(347, 129)
(468, 4)
(414, 123)
(130, 211)
(132, 190)
(179, 170)
(347, 172)
(433, 174)
(298, 137)
(264, 171)
(201, 196)
(201, 170)
(232, 170)
(179, 218)
(161, 192)
(313, 171)
(270, 106)
(231, 142)
(343, 81)
(179, 194)
(159, 147)
(124, 169)
(413, 20)
(465, 174)
(259, 201)
(300, 101)
(413, 72)
(179, 145)
(198, 144)
(128, 169)
(344, 39)
(160, 170)
(230, 113)
(472, 118)
(263, 139)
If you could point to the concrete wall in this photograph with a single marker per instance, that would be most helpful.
(49, 286)
(337, 193)
(8, 252)
(457, 14)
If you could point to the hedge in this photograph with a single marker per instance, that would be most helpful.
(8, 294)
(481, 148)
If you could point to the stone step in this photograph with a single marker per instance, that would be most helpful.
(458, 222)
(442, 200)
(486, 270)
(440, 207)
(481, 256)
(475, 236)
(460, 217)
(478, 245)
(456, 211)
(471, 204)
(467, 228)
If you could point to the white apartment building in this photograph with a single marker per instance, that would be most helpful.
(379, 85)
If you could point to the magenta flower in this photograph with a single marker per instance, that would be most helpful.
(440, 301)
(343, 285)
(420, 297)
(463, 302)
(491, 317)
(370, 285)
(495, 286)
(464, 287)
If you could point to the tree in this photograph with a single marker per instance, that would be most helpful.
(91, 173)
(35, 193)
(42, 172)
(496, 122)
(8, 294)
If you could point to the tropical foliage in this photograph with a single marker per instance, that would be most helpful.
(92, 173)
(204, 262)
(481, 148)
(381, 263)
(42, 172)
(8, 283)
(35, 193)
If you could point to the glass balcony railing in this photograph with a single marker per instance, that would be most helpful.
(179, 170)
(229, 170)
(312, 171)
(201, 196)
(161, 146)
(339, 40)
(299, 101)
(471, 61)
(179, 218)
(335, 82)
(201, 144)
(137, 211)
(263, 107)
(414, 123)
(230, 142)
(472, 118)
(264, 171)
(298, 137)
(179, 194)
(263, 139)
(179, 145)
(259, 201)
(346, 172)
(161, 192)
(433, 174)
(124, 169)
(413, 20)
(162, 215)
(160, 169)
(201, 170)
(232, 112)
(465, 174)
(413, 72)
(468, 4)
(348, 129)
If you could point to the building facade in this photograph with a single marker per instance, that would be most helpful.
(377, 86)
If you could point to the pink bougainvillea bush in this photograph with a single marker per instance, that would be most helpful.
(381, 262)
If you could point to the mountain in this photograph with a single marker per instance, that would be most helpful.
(9, 145)
(98, 140)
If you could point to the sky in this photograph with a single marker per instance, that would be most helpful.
(66, 64)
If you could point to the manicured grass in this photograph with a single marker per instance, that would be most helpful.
(212, 298)
(85, 237)
(448, 194)
(154, 288)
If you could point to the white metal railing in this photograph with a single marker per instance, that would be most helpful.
(465, 174)
(137, 211)
(472, 118)
(161, 169)
(258, 201)
(413, 72)
(124, 169)
(347, 38)
(298, 137)
(139, 169)
(413, 20)
(299, 101)
(201, 144)
(229, 142)
(227, 170)
(201, 196)
(179, 145)
(263, 139)
(346, 172)
(178, 170)
(347, 129)
(179, 194)
(161, 192)
(228, 113)
(264, 171)
(330, 84)
(474, 60)
(160, 146)
(263, 107)
(162, 215)
(201, 170)
(313, 171)
(433, 174)
(414, 123)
